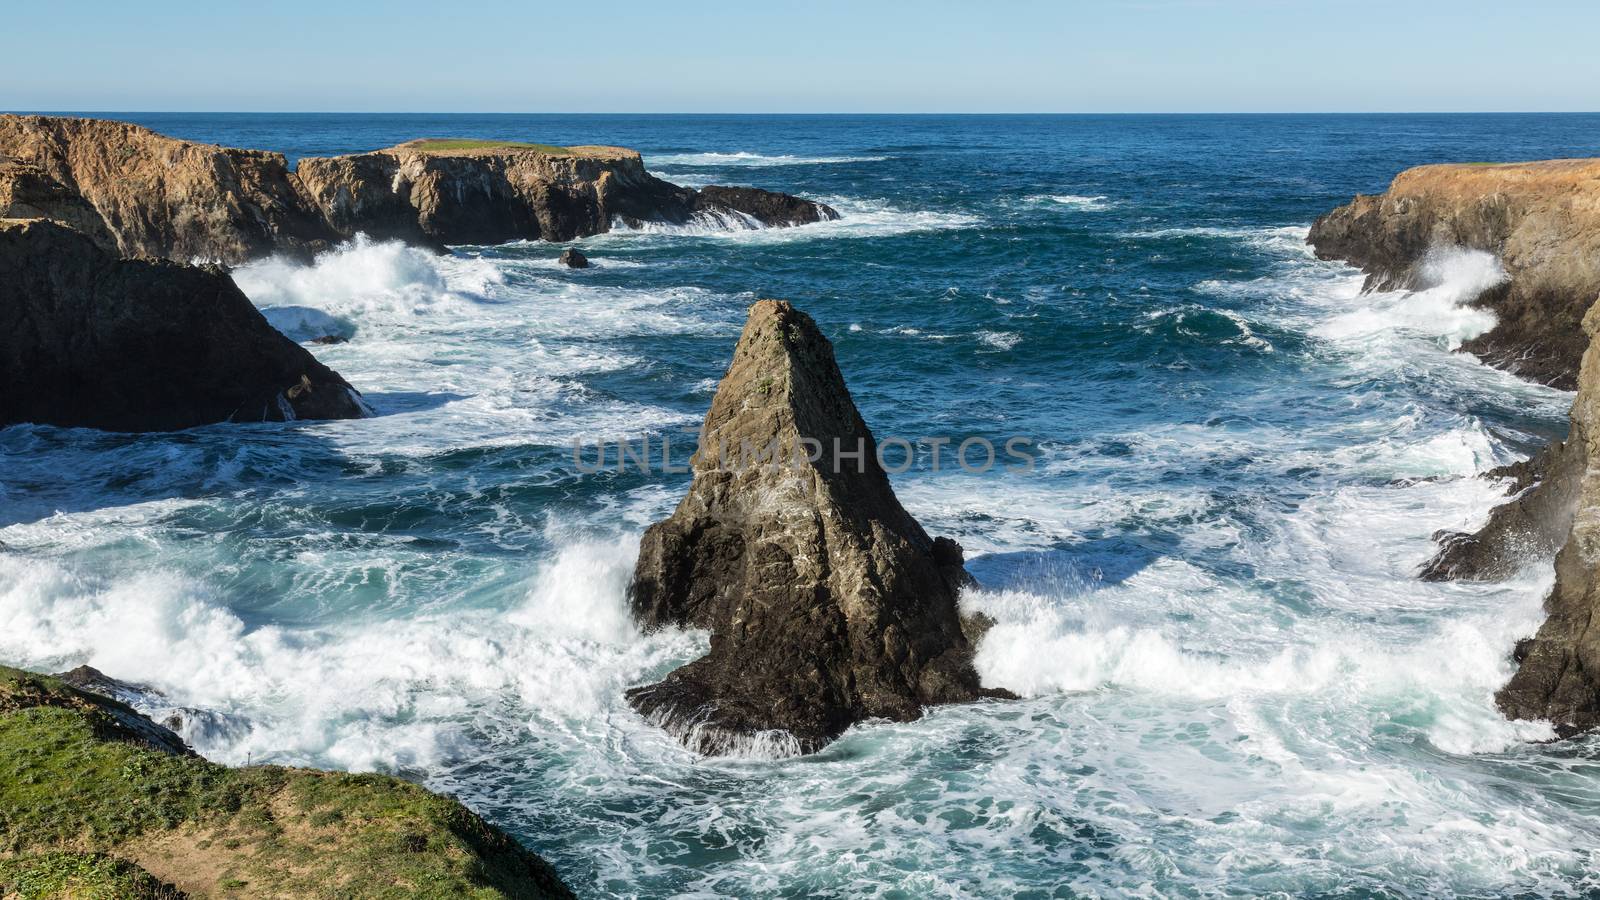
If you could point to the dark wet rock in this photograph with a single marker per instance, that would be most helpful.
(766, 207)
(91, 340)
(329, 339)
(1558, 672)
(88, 690)
(1538, 218)
(572, 258)
(827, 602)
(1526, 529)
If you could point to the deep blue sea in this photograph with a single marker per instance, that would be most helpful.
(1233, 684)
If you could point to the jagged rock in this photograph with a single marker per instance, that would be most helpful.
(766, 207)
(144, 194)
(1541, 219)
(827, 603)
(573, 258)
(1558, 676)
(329, 339)
(91, 340)
(1530, 526)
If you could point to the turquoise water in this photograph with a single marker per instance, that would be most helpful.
(1232, 683)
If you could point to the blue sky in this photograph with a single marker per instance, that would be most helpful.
(928, 56)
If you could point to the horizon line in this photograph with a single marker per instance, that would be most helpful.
(304, 112)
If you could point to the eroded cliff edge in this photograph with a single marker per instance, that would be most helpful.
(1541, 219)
(144, 194)
(1543, 222)
(827, 603)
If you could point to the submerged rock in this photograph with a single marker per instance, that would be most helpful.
(827, 602)
(91, 340)
(1540, 219)
(572, 258)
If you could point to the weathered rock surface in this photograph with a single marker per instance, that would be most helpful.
(144, 194)
(574, 259)
(827, 603)
(1558, 677)
(1542, 219)
(89, 339)
(491, 195)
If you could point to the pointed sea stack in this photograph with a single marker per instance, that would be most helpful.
(826, 601)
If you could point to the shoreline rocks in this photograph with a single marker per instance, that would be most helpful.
(827, 602)
(143, 194)
(88, 339)
(1540, 219)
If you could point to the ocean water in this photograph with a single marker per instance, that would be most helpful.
(1232, 683)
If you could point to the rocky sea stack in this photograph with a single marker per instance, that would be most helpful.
(93, 340)
(98, 801)
(1542, 221)
(143, 194)
(826, 601)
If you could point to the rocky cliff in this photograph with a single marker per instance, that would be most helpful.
(99, 801)
(144, 194)
(1541, 219)
(91, 339)
(1558, 672)
(827, 603)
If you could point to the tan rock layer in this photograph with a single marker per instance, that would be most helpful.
(1542, 219)
(144, 194)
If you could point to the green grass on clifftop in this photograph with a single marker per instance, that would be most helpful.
(474, 144)
(73, 803)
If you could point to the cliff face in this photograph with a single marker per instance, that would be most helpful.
(1541, 219)
(1559, 673)
(143, 194)
(102, 802)
(152, 195)
(90, 339)
(826, 601)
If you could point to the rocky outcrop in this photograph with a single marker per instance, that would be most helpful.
(1541, 219)
(827, 603)
(574, 259)
(1558, 673)
(90, 339)
(103, 802)
(434, 192)
(143, 194)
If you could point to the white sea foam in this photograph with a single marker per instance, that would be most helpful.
(858, 218)
(1452, 279)
(753, 160)
(1075, 201)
